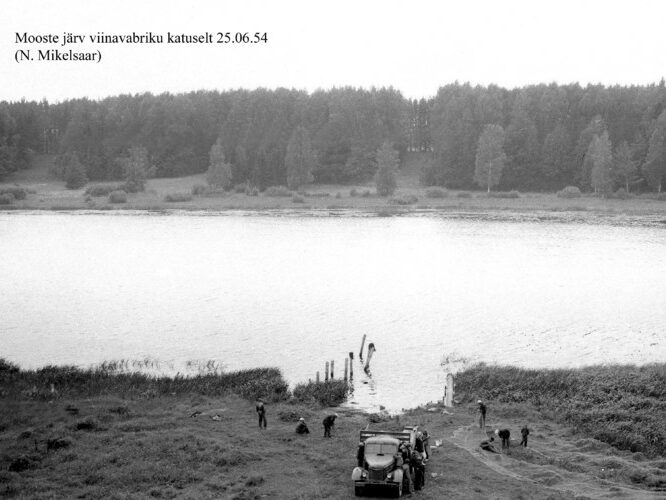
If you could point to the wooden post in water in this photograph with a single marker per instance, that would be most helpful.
(346, 366)
(371, 351)
(332, 364)
(326, 373)
(317, 379)
(360, 353)
(351, 366)
(448, 390)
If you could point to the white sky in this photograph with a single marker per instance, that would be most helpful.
(415, 46)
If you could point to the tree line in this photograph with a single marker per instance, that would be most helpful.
(595, 137)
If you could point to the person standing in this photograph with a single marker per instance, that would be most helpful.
(505, 436)
(524, 432)
(482, 414)
(360, 454)
(261, 412)
(329, 422)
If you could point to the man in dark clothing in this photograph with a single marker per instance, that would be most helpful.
(524, 432)
(261, 412)
(505, 435)
(482, 414)
(329, 422)
(301, 427)
(419, 470)
(487, 445)
(360, 454)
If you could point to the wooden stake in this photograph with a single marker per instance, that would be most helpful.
(332, 364)
(371, 351)
(317, 379)
(351, 366)
(360, 353)
(326, 373)
(346, 365)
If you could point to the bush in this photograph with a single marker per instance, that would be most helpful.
(353, 193)
(277, 191)
(317, 195)
(103, 189)
(621, 194)
(569, 192)
(661, 197)
(199, 189)
(504, 194)
(118, 196)
(329, 393)
(366, 193)
(241, 188)
(297, 198)
(407, 199)
(338, 195)
(436, 192)
(251, 191)
(6, 199)
(177, 197)
(17, 192)
(464, 194)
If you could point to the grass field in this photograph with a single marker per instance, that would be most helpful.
(48, 193)
(100, 435)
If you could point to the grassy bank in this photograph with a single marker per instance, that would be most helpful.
(41, 191)
(106, 433)
(624, 406)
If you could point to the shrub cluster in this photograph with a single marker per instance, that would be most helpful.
(266, 383)
(6, 199)
(241, 188)
(329, 393)
(118, 196)
(621, 194)
(177, 197)
(463, 194)
(620, 405)
(569, 192)
(504, 194)
(103, 189)
(297, 198)
(406, 199)
(251, 191)
(277, 191)
(18, 193)
(436, 192)
(199, 189)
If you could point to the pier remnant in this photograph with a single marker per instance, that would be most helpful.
(326, 373)
(360, 353)
(371, 351)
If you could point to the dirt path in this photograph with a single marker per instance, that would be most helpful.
(546, 463)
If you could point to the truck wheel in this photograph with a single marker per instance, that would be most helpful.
(358, 491)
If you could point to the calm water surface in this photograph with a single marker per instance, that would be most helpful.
(294, 292)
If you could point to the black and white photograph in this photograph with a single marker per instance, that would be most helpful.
(324, 250)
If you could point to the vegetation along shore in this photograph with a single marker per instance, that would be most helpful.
(105, 432)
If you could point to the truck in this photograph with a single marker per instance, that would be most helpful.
(382, 461)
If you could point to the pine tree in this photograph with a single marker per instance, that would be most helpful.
(218, 175)
(490, 157)
(624, 167)
(137, 170)
(387, 167)
(601, 155)
(655, 163)
(300, 159)
(75, 173)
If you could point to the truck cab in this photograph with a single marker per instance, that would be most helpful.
(382, 461)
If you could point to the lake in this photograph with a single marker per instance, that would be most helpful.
(296, 291)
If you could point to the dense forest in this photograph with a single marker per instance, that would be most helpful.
(594, 137)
